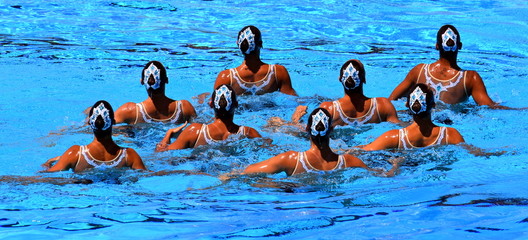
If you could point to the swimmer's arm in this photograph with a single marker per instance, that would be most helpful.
(163, 145)
(66, 161)
(188, 110)
(187, 138)
(388, 110)
(134, 160)
(126, 113)
(387, 140)
(479, 152)
(406, 84)
(477, 89)
(284, 81)
(222, 78)
(456, 138)
(280, 163)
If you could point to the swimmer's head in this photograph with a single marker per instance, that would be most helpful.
(319, 125)
(101, 117)
(154, 75)
(224, 101)
(448, 39)
(352, 74)
(249, 40)
(420, 100)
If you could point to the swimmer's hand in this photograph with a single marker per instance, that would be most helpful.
(396, 163)
(300, 111)
(228, 176)
(48, 164)
(201, 97)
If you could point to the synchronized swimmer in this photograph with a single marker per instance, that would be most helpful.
(442, 81)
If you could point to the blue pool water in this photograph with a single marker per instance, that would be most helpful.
(59, 58)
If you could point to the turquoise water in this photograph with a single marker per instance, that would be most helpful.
(60, 57)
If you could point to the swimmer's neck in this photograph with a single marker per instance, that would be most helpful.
(158, 94)
(105, 142)
(325, 152)
(160, 100)
(227, 122)
(356, 97)
(448, 60)
(425, 124)
(252, 62)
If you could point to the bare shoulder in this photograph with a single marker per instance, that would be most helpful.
(251, 132)
(282, 73)
(129, 106)
(353, 161)
(73, 151)
(415, 71)
(287, 157)
(473, 78)
(384, 104)
(387, 140)
(383, 100)
(280, 68)
(132, 153)
(191, 132)
(454, 136)
(387, 110)
(125, 113)
(327, 105)
(67, 160)
(187, 138)
(224, 77)
(188, 109)
(193, 128)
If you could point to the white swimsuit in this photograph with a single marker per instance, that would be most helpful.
(253, 87)
(438, 87)
(305, 164)
(359, 120)
(204, 131)
(95, 163)
(404, 142)
(148, 119)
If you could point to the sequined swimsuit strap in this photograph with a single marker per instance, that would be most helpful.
(304, 162)
(403, 140)
(144, 115)
(359, 120)
(442, 133)
(104, 164)
(341, 163)
(177, 112)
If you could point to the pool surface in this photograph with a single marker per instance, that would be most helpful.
(59, 58)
